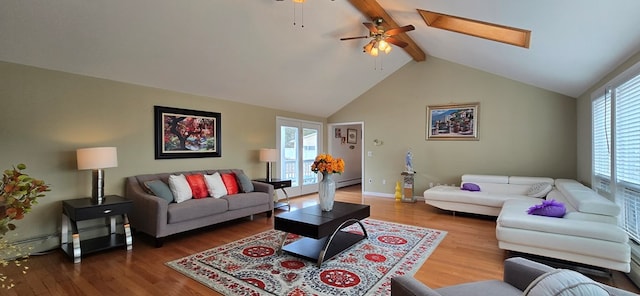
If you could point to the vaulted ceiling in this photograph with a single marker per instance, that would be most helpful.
(251, 51)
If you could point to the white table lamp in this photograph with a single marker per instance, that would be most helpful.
(97, 159)
(268, 156)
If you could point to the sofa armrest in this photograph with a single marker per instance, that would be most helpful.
(408, 286)
(263, 187)
(520, 272)
(149, 213)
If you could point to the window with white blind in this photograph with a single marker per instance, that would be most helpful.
(602, 142)
(616, 146)
(627, 151)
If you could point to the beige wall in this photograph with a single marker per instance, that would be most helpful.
(584, 121)
(46, 115)
(523, 130)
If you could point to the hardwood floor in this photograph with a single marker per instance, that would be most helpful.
(469, 252)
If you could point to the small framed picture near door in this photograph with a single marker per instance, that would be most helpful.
(352, 136)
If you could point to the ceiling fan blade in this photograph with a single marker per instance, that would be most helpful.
(371, 27)
(397, 42)
(350, 38)
(399, 30)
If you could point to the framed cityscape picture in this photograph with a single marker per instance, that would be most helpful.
(452, 122)
(182, 133)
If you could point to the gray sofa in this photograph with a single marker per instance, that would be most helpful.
(159, 218)
(519, 274)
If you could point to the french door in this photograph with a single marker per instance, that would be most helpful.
(299, 142)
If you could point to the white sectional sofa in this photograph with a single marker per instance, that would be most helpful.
(495, 190)
(587, 233)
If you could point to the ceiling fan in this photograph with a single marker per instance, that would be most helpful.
(381, 37)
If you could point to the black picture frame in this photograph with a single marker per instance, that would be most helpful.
(184, 133)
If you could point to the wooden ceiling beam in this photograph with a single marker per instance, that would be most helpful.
(372, 10)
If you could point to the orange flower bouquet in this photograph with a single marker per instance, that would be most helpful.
(327, 164)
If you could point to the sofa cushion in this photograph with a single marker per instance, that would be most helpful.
(454, 194)
(198, 186)
(244, 182)
(485, 179)
(583, 199)
(230, 183)
(512, 216)
(248, 200)
(195, 208)
(159, 189)
(549, 208)
(563, 282)
(539, 189)
(520, 180)
(215, 185)
(489, 287)
(180, 188)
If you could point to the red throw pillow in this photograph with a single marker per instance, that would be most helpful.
(230, 183)
(198, 186)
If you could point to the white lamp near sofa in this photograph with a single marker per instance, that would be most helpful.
(97, 159)
(268, 155)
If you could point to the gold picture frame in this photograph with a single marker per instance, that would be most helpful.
(452, 122)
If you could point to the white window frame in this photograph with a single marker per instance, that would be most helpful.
(611, 187)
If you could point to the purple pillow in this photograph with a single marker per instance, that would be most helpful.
(549, 208)
(470, 187)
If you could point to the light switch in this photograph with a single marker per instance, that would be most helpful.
(370, 153)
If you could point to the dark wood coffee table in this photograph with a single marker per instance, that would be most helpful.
(321, 230)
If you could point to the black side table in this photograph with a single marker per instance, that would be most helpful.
(278, 184)
(75, 210)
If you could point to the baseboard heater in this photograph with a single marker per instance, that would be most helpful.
(634, 274)
(47, 242)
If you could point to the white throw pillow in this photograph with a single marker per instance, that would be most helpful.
(180, 188)
(564, 282)
(539, 190)
(215, 185)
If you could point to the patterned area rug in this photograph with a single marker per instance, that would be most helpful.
(252, 266)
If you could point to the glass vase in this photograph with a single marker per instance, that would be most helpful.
(327, 192)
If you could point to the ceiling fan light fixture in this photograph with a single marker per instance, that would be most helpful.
(383, 45)
(368, 47)
(374, 51)
(388, 49)
(299, 1)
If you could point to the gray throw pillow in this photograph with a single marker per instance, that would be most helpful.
(564, 282)
(159, 189)
(244, 181)
(539, 190)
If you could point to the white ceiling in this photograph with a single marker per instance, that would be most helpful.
(250, 51)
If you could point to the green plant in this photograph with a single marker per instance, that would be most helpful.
(18, 193)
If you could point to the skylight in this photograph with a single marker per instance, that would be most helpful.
(504, 34)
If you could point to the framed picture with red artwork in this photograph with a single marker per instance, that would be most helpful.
(183, 133)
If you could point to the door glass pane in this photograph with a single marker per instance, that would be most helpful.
(290, 160)
(309, 152)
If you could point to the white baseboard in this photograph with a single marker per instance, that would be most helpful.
(345, 183)
(387, 195)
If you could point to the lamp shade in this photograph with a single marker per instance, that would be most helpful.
(268, 155)
(97, 158)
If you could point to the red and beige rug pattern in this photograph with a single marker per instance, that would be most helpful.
(252, 266)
